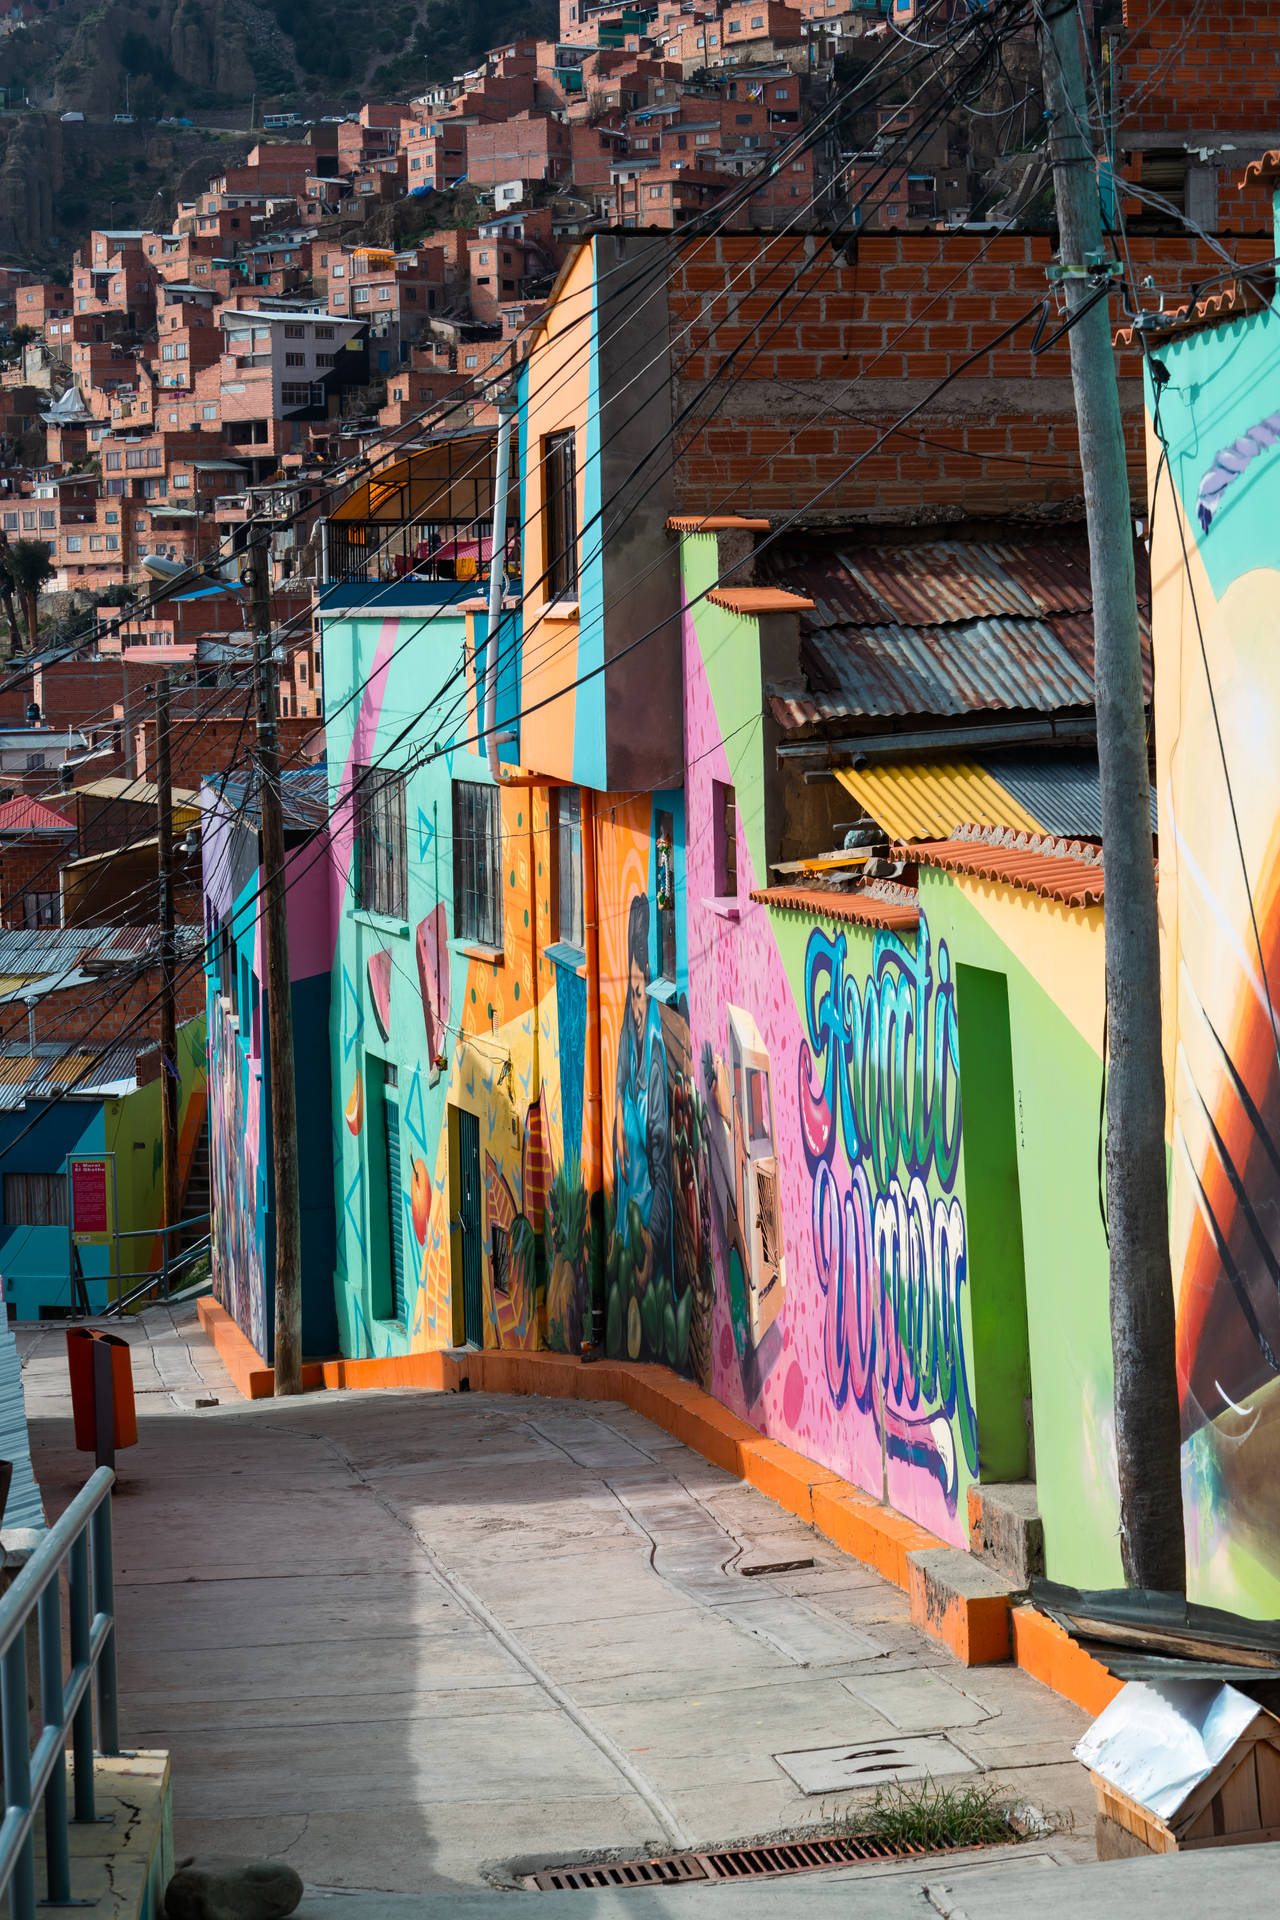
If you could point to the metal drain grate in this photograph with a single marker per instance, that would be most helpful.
(729, 1863)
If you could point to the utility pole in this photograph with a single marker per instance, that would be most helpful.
(168, 977)
(279, 1017)
(1152, 1547)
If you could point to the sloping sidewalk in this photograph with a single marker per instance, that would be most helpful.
(419, 1642)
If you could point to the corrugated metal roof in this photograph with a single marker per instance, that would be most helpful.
(304, 797)
(898, 911)
(929, 799)
(974, 667)
(946, 628)
(1061, 790)
(22, 814)
(1054, 869)
(79, 1070)
(943, 582)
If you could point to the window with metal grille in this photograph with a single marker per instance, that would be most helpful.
(568, 867)
(500, 1260)
(35, 1199)
(382, 870)
(560, 485)
(477, 863)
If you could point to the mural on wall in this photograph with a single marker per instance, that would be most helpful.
(878, 1098)
(236, 1196)
(1217, 715)
(829, 1069)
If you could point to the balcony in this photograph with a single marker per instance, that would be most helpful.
(360, 552)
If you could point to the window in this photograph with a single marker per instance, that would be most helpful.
(29, 521)
(293, 396)
(500, 1259)
(295, 333)
(325, 359)
(11, 522)
(209, 413)
(471, 360)
(295, 359)
(324, 333)
(724, 826)
(35, 1199)
(181, 480)
(665, 870)
(561, 516)
(48, 518)
(568, 867)
(95, 543)
(73, 543)
(383, 861)
(477, 863)
(35, 761)
(655, 193)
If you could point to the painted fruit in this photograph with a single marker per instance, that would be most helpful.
(633, 1330)
(669, 1332)
(354, 1111)
(420, 1199)
(380, 990)
(613, 1330)
(635, 1231)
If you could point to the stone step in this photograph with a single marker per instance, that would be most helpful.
(1005, 1529)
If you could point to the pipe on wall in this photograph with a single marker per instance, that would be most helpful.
(497, 571)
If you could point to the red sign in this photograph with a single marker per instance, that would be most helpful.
(90, 1219)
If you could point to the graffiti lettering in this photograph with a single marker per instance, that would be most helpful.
(879, 1070)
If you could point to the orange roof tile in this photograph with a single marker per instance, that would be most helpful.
(758, 600)
(861, 908)
(1264, 171)
(1065, 870)
(1232, 300)
(714, 523)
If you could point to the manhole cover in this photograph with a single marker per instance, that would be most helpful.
(873, 1763)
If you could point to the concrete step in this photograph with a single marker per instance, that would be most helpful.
(1005, 1529)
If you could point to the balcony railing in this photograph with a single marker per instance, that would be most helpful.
(362, 551)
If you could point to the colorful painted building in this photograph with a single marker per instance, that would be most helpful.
(241, 1175)
(65, 1102)
(1214, 425)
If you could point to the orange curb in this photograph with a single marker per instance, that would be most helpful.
(1049, 1654)
(979, 1629)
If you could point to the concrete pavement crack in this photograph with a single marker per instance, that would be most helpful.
(471, 1602)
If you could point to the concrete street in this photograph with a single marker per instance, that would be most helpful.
(417, 1643)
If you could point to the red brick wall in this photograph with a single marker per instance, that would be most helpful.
(1196, 68)
(33, 866)
(107, 1009)
(856, 344)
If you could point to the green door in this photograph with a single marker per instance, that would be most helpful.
(469, 1220)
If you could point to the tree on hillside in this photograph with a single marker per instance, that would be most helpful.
(25, 566)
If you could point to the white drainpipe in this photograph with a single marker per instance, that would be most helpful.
(497, 570)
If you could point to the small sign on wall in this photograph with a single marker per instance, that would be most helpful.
(92, 1179)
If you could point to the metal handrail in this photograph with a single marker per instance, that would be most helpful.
(163, 1278)
(81, 1540)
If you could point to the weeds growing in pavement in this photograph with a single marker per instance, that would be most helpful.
(923, 1814)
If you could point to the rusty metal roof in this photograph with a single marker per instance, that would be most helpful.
(946, 628)
(898, 910)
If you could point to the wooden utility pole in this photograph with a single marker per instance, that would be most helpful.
(168, 973)
(1152, 1548)
(279, 1010)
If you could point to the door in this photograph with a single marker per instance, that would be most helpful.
(469, 1221)
(395, 1204)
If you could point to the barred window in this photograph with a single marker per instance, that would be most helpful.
(560, 484)
(383, 859)
(477, 863)
(35, 1199)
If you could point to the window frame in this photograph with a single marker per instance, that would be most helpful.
(570, 917)
(382, 846)
(477, 864)
(560, 514)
